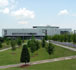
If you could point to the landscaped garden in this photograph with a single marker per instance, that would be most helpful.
(34, 50)
(13, 57)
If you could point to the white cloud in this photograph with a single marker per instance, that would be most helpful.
(8, 3)
(22, 22)
(4, 3)
(63, 12)
(5, 11)
(6, 6)
(23, 12)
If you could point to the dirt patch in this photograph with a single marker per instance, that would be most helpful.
(13, 53)
(34, 55)
(25, 65)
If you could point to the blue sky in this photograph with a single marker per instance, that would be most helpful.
(27, 13)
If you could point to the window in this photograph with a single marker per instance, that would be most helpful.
(5, 32)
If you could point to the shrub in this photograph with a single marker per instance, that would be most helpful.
(25, 56)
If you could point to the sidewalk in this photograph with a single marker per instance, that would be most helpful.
(40, 62)
(5, 49)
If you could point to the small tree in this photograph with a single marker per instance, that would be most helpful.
(1, 39)
(50, 48)
(25, 55)
(37, 45)
(19, 42)
(46, 37)
(13, 45)
(29, 43)
(43, 42)
(33, 46)
(0, 45)
(74, 38)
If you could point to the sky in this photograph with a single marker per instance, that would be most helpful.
(28, 13)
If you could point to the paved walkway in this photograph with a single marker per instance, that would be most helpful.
(67, 47)
(9, 48)
(5, 49)
(40, 62)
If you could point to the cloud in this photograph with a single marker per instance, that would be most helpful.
(5, 11)
(63, 12)
(9, 7)
(73, 15)
(4, 3)
(6, 6)
(23, 12)
(22, 22)
(7, 3)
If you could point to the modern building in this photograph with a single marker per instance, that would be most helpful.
(37, 31)
(65, 31)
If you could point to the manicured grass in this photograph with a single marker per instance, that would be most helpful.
(10, 57)
(13, 57)
(59, 65)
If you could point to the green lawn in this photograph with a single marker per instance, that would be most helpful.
(59, 65)
(10, 57)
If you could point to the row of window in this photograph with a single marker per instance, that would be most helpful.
(14, 34)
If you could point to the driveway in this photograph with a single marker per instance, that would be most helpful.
(62, 45)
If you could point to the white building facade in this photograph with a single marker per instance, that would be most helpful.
(37, 31)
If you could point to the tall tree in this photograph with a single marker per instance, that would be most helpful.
(25, 55)
(13, 44)
(19, 42)
(43, 42)
(74, 38)
(46, 37)
(28, 43)
(0, 45)
(33, 46)
(37, 45)
(50, 48)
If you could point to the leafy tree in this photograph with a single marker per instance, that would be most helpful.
(50, 48)
(33, 46)
(49, 37)
(7, 41)
(46, 37)
(37, 45)
(25, 55)
(74, 38)
(69, 38)
(29, 43)
(56, 38)
(43, 42)
(1, 39)
(13, 45)
(61, 38)
(19, 42)
(0, 45)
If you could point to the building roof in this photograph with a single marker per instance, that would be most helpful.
(45, 26)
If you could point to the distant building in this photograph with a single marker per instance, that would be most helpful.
(37, 31)
(65, 31)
